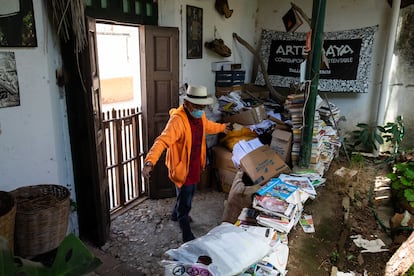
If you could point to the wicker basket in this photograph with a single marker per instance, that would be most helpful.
(7, 217)
(41, 218)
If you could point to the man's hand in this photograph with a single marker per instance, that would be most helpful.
(229, 127)
(146, 171)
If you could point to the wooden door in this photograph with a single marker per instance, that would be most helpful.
(87, 138)
(102, 189)
(160, 72)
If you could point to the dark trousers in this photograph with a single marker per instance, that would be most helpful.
(182, 209)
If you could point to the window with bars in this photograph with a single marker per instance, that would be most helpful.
(129, 11)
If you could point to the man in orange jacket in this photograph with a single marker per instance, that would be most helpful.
(184, 138)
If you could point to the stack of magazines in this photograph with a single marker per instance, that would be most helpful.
(278, 204)
(280, 201)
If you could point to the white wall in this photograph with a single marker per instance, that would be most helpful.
(400, 97)
(34, 139)
(198, 71)
(343, 15)
(248, 20)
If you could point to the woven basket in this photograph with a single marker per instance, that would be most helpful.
(7, 217)
(41, 218)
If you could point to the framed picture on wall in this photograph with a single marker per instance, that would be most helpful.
(194, 32)
(17, 25)
(9, 85)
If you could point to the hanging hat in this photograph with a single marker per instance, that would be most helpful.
(198, 95)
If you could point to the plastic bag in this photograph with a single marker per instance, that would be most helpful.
(232, 250)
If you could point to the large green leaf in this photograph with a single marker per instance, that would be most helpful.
(397, 185)
(7, 266)
(362, 125)
(74, 258)
(409, 194)
(10, 265)
(405, 181)
(409, 174)
(392, 176)
(401, 166)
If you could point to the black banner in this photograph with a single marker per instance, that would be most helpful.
(348, 54)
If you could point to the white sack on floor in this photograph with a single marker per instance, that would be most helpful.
(231, 249)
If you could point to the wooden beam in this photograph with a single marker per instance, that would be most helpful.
(402, 259)
(273, 92)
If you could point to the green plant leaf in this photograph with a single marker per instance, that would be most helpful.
(379, 139)
(74, 258)
(11, 265)
(7, 266)
(405, 181)
(401, 166)
(397, 185)
(362, 125)
(409, 174)
(392, 176)
(409, 194)
(381, 129)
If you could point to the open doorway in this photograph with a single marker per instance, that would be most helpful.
(120, 84)
(159, 69)
(119, 66)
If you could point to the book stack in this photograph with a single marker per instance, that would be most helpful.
(278, 204)
(294, 105)
(316, 139)
(302, 183)
(247, 217)
(329, 113)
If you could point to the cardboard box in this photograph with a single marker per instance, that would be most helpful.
(262, 164)
(225, 179)
(249, 116)
(222, 159)
(282, 143)
(220, 65)
(280, 124)
(224, 91)
(255, 91)
(225, 66)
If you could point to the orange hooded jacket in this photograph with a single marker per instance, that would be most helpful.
(176, 139)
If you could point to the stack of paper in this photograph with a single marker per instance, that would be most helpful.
(243, 147)
(279, 205)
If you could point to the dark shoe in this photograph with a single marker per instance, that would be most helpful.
(190, 238)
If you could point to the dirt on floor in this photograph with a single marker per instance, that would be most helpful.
(344, 207)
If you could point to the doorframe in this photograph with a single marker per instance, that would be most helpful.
(83, 143)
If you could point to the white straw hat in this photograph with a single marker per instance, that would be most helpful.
(198, 95)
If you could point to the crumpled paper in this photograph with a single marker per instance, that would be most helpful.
(372, 246)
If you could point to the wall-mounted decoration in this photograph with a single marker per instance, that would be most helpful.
(218, 46)
(194, 32)
(222, 6)
(17, 25)
(9, 85)
(349, 54)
